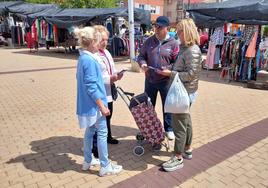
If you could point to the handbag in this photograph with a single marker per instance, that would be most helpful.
(114, 91)
(177, 100)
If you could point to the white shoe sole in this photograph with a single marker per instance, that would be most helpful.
(173, 168)
(110, 173)
(85, 169)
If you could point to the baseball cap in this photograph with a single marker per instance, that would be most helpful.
(162, 21)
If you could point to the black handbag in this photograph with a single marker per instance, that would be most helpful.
(114, 91)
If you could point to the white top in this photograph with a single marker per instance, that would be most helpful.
(107, 68)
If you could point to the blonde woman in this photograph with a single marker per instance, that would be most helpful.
(188, 66)
(109, 75)
(91, 101)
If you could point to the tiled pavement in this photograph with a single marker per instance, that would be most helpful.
(40, 140)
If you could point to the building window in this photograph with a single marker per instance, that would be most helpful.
(169, 14)
(158, 10)
(153, 9)
(180, 15)
(180, 5)
(142, 6)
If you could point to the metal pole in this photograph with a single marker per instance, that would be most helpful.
(134, 65)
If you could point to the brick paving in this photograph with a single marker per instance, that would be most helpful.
(40, 140)
(205, 157)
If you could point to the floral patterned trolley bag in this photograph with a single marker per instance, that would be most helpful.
(145, 116)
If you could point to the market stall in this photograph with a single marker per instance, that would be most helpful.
(239, 50)
(48, 25)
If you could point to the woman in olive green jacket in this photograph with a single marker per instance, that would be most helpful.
(188, 66)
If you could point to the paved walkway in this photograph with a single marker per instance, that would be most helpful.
(40, 140)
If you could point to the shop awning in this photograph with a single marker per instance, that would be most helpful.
(25, 9)
(4, 5)
(234, 11)
(65, 18)
(69, 17)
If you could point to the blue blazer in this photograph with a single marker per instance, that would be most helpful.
(90, 86)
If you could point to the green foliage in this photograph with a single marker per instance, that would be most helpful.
(265, 31)
(79, 3)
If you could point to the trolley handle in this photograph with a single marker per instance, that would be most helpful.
(126, 96)
(126, 93)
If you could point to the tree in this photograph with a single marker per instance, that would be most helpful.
(79, 3)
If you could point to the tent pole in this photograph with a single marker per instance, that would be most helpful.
(134, 65)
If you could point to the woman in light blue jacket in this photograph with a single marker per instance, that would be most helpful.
(91, 102)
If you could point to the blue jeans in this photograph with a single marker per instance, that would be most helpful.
(101, 129)
(152, 89)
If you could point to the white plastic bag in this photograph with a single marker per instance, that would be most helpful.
(177, 100)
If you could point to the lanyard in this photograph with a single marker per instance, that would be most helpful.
(102, 53)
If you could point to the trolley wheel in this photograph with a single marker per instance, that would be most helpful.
(140, 137)
(138, 151)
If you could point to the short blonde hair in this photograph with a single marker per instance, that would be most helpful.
(87, 36)
(189, 29)
(101, 29)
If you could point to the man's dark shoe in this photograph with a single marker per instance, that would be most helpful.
(112, 141)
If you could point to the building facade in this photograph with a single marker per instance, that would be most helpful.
(174, 9)
(156, 7)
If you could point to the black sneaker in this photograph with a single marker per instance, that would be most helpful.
(112, 141)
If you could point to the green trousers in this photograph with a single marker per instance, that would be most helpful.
(182, 128)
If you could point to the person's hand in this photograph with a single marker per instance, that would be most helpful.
(164, 72)
(114, 78)
(144, 67)
(105, 111)
(120, 75)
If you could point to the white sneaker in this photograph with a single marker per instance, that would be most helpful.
(94, 161)
(170, 135)
(110, 169)
(87, 165)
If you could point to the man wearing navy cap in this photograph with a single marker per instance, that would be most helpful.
(158, 51)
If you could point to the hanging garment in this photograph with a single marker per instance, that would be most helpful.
(217, 56)
(14, 35)
(19, 33)
(225, 27)
(55, 32)
(34, 33)
(29, 40)
(243, 61)
(234, 28)
(10, 21)
(251, 51)
(211, 55)
(250, 66)
(258, 60)
(223, 53)
(248, 33)
(218, 36)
